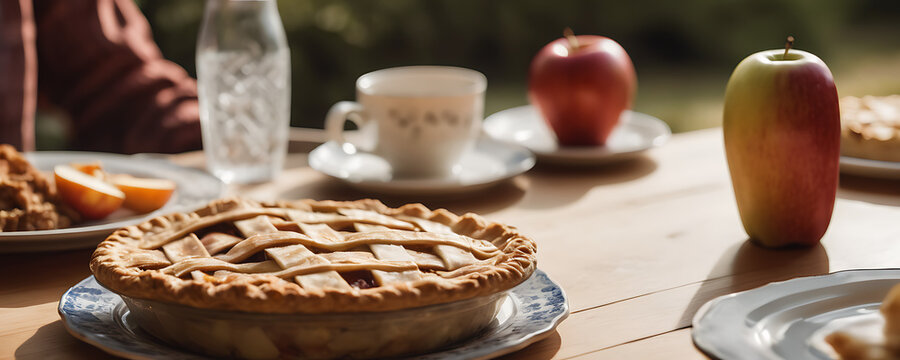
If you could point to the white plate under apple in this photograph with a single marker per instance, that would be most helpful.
(636, 132)
(870, 168)
(193, 188)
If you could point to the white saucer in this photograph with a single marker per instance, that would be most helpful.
(524, 125)
(489, 163)
(870, 168)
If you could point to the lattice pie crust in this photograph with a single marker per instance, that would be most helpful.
(313, 257)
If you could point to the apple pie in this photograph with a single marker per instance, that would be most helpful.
(28, 201)
(312, 258)
(870, 127)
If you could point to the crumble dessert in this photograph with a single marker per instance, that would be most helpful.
(28, 201)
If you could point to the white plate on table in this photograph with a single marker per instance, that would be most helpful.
(530, 313)
(870, 168)
(193, 188)
(790, 319)
(637, 132)
(489, 163)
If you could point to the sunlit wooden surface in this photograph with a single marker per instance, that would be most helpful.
(638, 247)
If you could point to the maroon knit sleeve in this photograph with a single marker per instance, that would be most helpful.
(18, 74)
(97, 60)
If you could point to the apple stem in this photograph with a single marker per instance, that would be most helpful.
(573, 41)
(787, 46)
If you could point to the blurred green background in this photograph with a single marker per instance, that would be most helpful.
(683, 51)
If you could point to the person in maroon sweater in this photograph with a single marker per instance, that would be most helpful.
(95, 59)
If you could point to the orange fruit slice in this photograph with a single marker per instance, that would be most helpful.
(92, 197)
(94, 169)
(144, 195)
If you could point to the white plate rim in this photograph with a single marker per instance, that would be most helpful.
(588, 155)
(870, 168)
(719, 350)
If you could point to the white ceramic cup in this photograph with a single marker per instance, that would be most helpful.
(422, 118)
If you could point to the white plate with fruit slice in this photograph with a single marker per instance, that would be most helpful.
(636, 132)
(153, 186)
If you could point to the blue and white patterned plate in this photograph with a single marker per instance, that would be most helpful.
(98, 317)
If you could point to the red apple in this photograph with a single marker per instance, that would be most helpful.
(581, 84)
(782, 140)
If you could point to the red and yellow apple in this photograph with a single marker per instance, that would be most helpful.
(782, 141)
(581, 85)
(91, 196)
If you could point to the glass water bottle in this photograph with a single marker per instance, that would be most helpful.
(243, 78)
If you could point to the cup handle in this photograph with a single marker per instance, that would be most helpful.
(339, 114)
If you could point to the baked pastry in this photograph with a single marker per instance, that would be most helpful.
(28, 201)
(855, 347)
(312, 257)
(870, 127)
(315, 257)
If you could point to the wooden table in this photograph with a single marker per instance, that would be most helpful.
(638, 247)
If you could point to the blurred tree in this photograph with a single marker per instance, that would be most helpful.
(335, 41)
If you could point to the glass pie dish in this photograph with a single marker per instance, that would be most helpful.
(315, 336)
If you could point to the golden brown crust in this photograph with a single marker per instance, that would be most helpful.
(266, 293)
(870, 127)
